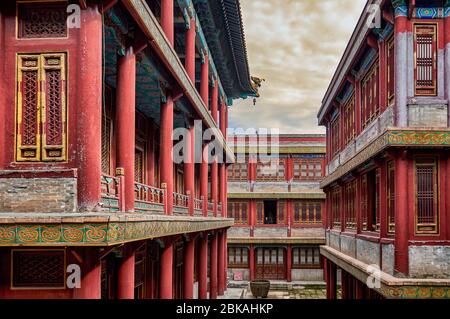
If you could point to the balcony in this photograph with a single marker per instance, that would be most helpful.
(110, 193)
(180, 204)
(149, 199)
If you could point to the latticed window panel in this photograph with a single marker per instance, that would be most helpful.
(307, 213)
(238, 172)
(139, 166)
(41, 108)
(272, 170)
(425, 43)
(281, 213)
(335, 136)
(350, 208)
(306, 257)
(38, 269)
(349, 121)
(391, 197)
(307, 169)
(370, 103)
(43, 20)
(427, 215)
(335, 207)
(238, 257)
(106, 144)
(390, 58)
(239, 211)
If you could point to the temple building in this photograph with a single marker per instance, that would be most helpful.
(278, 208)
(386, 113)
(92, 204)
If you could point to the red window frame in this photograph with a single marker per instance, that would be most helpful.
(335, 136)
(370, 102)
(390, 72)
(239, 211)
(307, 169)
(238, 257)
(425, 59)
(307, 213)
(238, 172)
(427, 196)
(350, 208)
(278, 175)
(349, 121)
(306, 258)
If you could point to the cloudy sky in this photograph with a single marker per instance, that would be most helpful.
(296, 46)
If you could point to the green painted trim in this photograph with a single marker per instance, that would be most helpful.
(102, 233)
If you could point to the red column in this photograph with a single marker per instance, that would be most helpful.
(221, 264)
(167, 23)
(190, 51)
(358, 115)
(125, 119)
(90, 287)
(203, 269)
(165, 154)
(213, 267)
(204, 179)
(189, 169)
(447, 199)
(125, 276)
(204, 81)
(215, 184)
(401, 215)
(188, 264)
(222, 187)
(166, 272)
(89, 109)
(215, 102)
(344, 285)
(332, 281)
(289, 263)
(225, 258)
(223, 114)
(252, 262)
(359, 293)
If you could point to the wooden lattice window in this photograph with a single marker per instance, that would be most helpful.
(307, 213)
(272, 170)
(107, 131)
(390, 72)
(335, 136)
(370, 199)
(306, 258)
(350, 208)
(41, 108)
(238, 172)
(42, 20)
(281, 213)
(38, 269)
(335, 207)
(260, 213)
(427, 209)
(139, 273)
(370, 103)
(139, 166)
(238, 211)
(391, 197)
(349, 121)
(238, 257)
(306, 169)
(425, 68)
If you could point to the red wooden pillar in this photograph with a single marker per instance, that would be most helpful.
(358, 124)
(359, 292)
(215, 184)
(383, 200)
(89, 108)
(204, 179)
(225, 258)
(188, 264)
(167, 22)
(215, 102)
(125, 276)
(252, 262)
(90, 286)
(213, 267)
(204, 81)
(166, 272)
(189, 169)
(222, 187)
(447, 199)
(221, 264)
(332, 277)
(401, 264)
(223, 115)
(345, 285)
(190, 51)
(165, 154)
(125, 119)
(203, 268)
(289, 263)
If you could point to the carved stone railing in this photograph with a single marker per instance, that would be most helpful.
(219, 208)
(211, 208)
(198, 207)
(110, 193)
(149, 199)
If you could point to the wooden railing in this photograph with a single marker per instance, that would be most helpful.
(180, 203)
(110, 193)
(149, 198)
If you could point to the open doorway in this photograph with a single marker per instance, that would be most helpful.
(270, 212)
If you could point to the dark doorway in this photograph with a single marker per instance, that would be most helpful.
(270, 212)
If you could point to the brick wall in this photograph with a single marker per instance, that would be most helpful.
(38, 195)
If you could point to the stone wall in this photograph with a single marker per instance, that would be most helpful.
(307, 232)
(270, 232)
(429, 262)
(368, 252)
(388, 259)
(434, 115)
(239, 232)
(235, 273)
(38, 195)
(307, 275)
